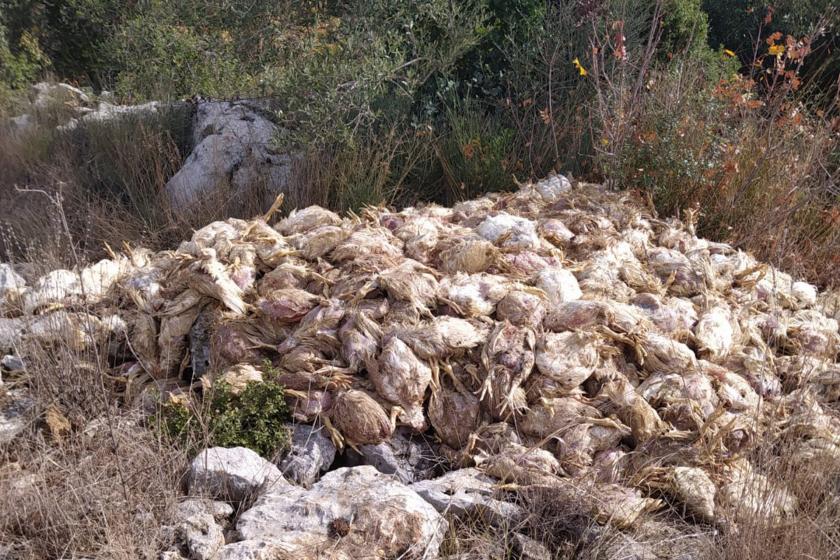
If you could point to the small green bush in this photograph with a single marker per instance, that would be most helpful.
(255, 418)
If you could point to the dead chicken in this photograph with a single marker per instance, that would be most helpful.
(402, 378)
(507, 360)
(690, 486)
(568, 358)
(357, 419)
(454, 411)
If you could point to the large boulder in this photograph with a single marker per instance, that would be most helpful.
(233, 148)
(350, 513)
(233, 473)
(311, 453)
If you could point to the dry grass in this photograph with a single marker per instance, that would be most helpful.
(813, 532)
(100, 486)
(100, 185)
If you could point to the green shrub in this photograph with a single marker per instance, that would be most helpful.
(161, 58)
(255, 417)
(685, 27)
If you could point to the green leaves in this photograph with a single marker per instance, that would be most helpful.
(254, 418)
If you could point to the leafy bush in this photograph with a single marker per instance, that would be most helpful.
(254, 417)
(171, 50)
(685, 27)
(744, 151)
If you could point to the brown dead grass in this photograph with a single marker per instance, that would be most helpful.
(103, 488)
(71, 194)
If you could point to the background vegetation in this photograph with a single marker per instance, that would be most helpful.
(726, 107)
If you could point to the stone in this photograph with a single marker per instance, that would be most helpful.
(12, 285)
(201, 535)
(221, 511)
(409, 458)
(527, 548)
(22, 123)
(311, 453)
(468, 492)
(11, 333)
(231, 473)
(43, 94)
(255, 550)
(233, 148)
(12, 363)
(351, 512)
(107, 112)
(14, 411)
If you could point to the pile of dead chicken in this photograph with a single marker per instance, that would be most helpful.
(556, 334)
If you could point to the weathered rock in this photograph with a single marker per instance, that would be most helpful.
(201, 535)
(12, 363)
(527, 548)
(107, 112)
(410, 459)
(11, 330)
(220, 511)
(43, 94)
(311, 453)
(257, 549)
(619, 546)
(14, 409)
(231, 473)
(22, 123)
(468, 492)
(11, 284)
(233, 148)
(350, 512)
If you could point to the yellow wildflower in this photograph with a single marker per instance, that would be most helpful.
(776, 50)
(728, 52)
(579, 67)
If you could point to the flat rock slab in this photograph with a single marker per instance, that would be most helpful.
(350, 513)
(232, 474)
(466, 492)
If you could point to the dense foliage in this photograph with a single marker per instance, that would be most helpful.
(254, 417)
